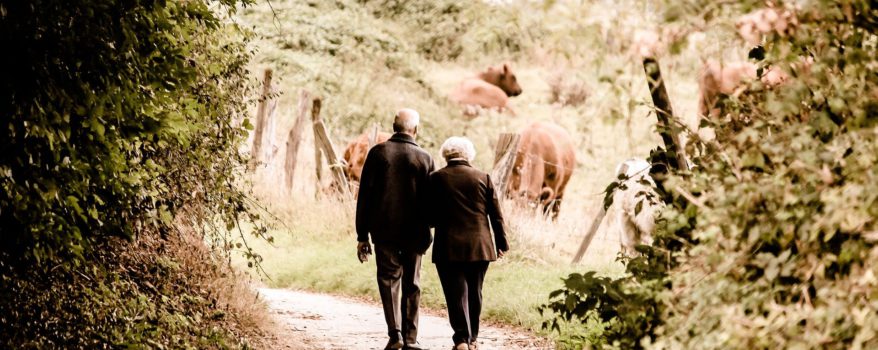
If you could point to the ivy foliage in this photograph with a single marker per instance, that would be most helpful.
(119, 127)
(115, 115)
(775, 246)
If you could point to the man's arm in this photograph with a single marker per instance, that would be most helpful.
(495, 214)
(364, 196)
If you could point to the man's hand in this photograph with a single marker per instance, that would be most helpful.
(364, 249)
(500, 253)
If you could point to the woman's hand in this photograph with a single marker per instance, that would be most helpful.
(500, 253)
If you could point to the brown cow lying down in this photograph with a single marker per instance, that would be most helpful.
(355, 155)
(489, 89)
(730, 78)
(543, 165)
(636, 205)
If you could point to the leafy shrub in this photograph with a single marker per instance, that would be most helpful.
(117, 114)
(154, 292)
(775, 247)
(117, 118)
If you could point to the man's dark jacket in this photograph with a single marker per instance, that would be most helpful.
(394, 189)
(463, 204)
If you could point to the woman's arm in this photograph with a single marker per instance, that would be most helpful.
(495, 214)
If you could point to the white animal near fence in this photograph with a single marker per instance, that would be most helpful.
(636, 205)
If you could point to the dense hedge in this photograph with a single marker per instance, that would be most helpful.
(777, 248)
(115, 115)
(118, 119)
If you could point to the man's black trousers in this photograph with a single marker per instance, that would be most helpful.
(399, 272)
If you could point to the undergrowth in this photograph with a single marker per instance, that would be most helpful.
(155, 292)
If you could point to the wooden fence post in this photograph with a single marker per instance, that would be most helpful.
(324, 143)
(664, 112)
(256, 150)
(295, 138)
(504, 160)
(592, 230)
(318, 155)
(373, 137)
(268, 140)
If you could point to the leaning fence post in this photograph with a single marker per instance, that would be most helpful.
(294, 139)
(324, 143)
(256, 150)
(592, 230)
(504, 160)
(664, 112)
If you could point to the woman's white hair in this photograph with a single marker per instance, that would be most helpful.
(458, 147)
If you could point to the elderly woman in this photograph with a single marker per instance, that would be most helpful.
(465, 209)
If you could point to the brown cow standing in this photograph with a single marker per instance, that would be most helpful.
(543, 165)
(355, 155)
(489, 89)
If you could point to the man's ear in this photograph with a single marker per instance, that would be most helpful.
(415, 131)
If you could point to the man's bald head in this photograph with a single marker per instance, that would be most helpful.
(406, 121)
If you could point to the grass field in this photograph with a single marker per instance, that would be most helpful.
(367, 61)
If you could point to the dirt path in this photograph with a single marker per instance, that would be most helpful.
(331, 322)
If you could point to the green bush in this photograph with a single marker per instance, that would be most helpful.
(116, 115)
(119, 117)
(777, 248)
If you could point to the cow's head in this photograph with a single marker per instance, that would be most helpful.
(353, 166)
(504, 78)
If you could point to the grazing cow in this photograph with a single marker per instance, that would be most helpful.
(718, 79)
(543, 165)
(636, 205)
(489, 89)
(355, 155)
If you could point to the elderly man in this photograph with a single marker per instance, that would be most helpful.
(464, 210)
(392, 207)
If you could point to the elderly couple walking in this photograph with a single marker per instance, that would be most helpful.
(401, 197)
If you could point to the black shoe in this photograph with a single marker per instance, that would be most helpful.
(413, 346)
(393, 344)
